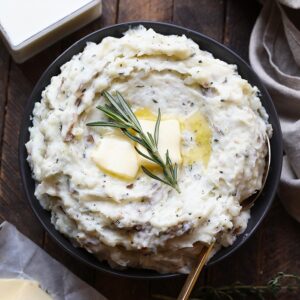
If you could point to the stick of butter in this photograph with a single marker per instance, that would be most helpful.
(29, 26)
(116, 155)
(21, 289)
(169, 139)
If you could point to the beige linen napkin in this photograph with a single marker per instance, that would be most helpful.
(275, 56)
(21, 258)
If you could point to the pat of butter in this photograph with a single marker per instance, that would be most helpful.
(29, 26)
(21, 289)
(116, 156)
(169, 139)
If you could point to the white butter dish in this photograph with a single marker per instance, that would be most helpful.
(28, 27)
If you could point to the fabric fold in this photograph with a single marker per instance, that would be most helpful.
(274, 54)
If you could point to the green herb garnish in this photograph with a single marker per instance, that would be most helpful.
(121, 116)
(281, 284)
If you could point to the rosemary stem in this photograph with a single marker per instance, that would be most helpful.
(121, 116)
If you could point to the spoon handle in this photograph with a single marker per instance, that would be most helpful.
(193, 276)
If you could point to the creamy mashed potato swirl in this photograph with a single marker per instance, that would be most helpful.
(145, 223)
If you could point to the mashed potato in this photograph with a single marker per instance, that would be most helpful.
(143, 222)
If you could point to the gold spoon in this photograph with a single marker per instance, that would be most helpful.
(206, 250)
(194, 274)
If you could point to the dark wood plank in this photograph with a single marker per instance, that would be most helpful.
(168, 287)
(4, 67)
(154, 10)
(109, 17)
(13, 206)
(280, 244)
(205, 16)
(274, 248)
(33, 68)
(116, 288)
(240, 19)
(280, 241)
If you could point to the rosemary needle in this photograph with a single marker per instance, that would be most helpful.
(121, 116)
(287, 285)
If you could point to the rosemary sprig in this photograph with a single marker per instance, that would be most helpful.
(121, 116)
(281, 284)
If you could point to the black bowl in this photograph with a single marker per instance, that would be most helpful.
(219, 51)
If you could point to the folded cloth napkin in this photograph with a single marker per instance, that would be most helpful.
(21, 258)
(274, 53)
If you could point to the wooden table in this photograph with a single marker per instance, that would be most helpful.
(274, 247)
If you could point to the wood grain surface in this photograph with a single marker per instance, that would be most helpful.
(274, 247)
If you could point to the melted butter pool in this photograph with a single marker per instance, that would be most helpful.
(146, 114)
(198, 126)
